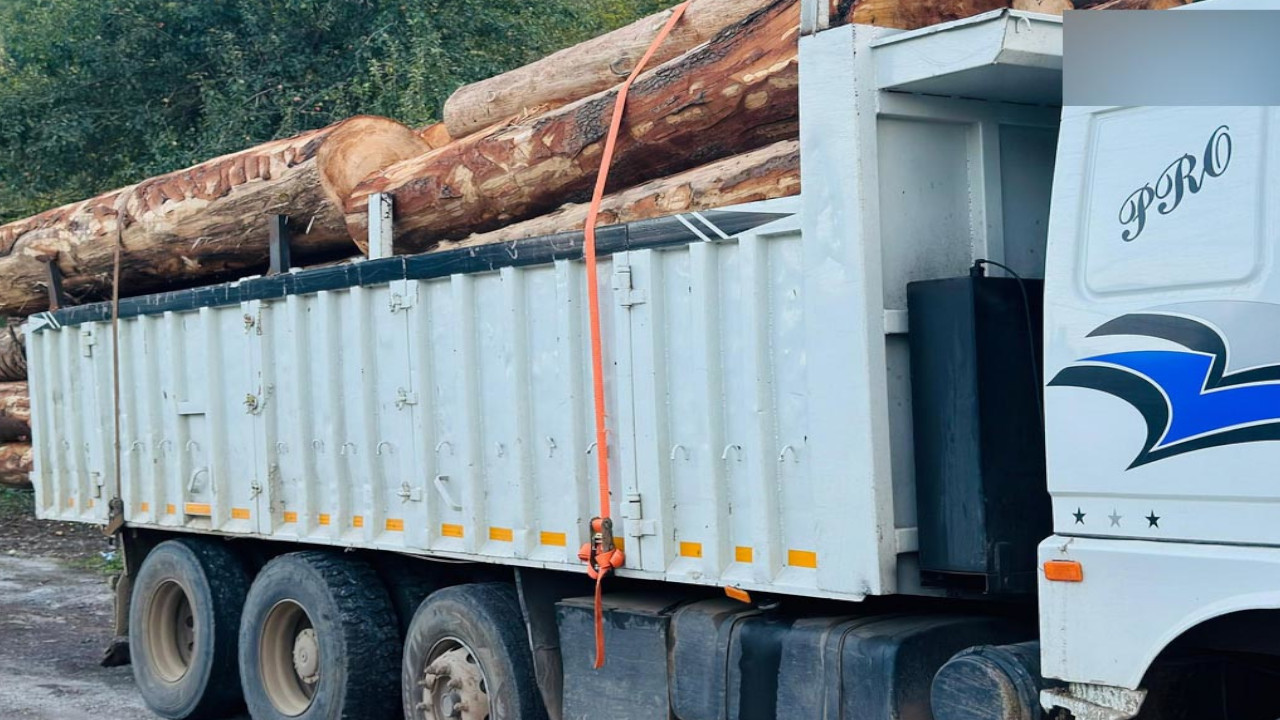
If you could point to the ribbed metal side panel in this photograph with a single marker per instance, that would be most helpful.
(453, 416)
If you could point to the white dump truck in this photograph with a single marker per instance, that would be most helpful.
(841, 427)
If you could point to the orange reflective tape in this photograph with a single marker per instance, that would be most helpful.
(290, 516)
(450, 530)
(553, 538)
(1063, 571)
(691, 549)
(743, 554)
(197, 509)
(395, 524)
(501, 534)
(802, 558)
(170, 509)
(144, 507)
(240, 513)
(357, 521)
(324, 519)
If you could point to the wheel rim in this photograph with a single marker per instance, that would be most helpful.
(454, 685)
(289, 654)
(171, 631)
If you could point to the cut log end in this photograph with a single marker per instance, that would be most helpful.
(359, 147)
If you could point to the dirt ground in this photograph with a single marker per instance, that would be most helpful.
(55, 622)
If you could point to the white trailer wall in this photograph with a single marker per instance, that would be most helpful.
(758, 385)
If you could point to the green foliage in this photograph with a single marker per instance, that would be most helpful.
(94, 94)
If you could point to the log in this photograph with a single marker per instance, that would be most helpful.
(14, 402)
(589, 67)
(914, 14)
(436, 136)
(13, 351)
(733, 94)
(15, 464)
(203, 224)
(770, 172)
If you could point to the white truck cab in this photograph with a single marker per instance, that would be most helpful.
(1162, 363)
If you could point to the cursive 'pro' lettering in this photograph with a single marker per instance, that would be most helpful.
(1184, 176)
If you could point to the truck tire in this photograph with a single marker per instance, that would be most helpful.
(184, 623)
(408, 583)
(467, 655)
(318, 641)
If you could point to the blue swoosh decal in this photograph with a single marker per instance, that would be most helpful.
(1193, 410)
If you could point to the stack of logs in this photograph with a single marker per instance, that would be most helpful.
(712, 122)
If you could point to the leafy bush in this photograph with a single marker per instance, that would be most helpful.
(94, 95)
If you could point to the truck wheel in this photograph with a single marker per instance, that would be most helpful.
(184, 621)
(408, 583)
(466, 657)
(318, 640)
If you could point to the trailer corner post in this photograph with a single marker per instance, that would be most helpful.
(381, 238)
(842, 263)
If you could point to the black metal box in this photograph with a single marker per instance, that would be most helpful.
(976, 392)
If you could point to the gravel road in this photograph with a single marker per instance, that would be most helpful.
(55, 621)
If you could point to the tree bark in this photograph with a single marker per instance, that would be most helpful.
(589, 67)
(203, 224)
(733, 94)
(770, 172)
(15, 464)
(914, 14)
(14, 402)
(15, 412)
(13, 351)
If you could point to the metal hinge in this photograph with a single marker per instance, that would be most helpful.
(633, 513)
(403, 296)
(87, 341)
(400, 302)
(624, 291)
(409, 494)
(404, 397)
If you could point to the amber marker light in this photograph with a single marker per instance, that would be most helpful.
(1063, 571)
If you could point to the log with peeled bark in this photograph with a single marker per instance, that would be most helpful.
(734, 94)
(914, 14)
(15, 465)
(770, 172)
(13, 351)
(589, 67)
(203, 224)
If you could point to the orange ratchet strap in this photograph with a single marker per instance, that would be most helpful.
(600, 555)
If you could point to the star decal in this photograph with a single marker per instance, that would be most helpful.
(1079, 516)
(1153, 520)
(1115, 518)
